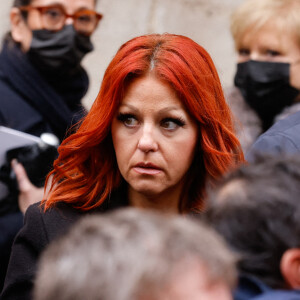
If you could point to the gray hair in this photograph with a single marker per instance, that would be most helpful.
(124, 254)
(256, 209)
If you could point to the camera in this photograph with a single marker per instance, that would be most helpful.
(37, 160)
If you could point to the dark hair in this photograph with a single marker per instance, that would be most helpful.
(257, 209)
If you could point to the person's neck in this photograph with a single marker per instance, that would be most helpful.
(165, 202)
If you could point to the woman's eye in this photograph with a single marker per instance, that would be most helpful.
(243, 52)
(128, 120)
(172, 123)
(84, 19)
(53, 13)
(272, 53)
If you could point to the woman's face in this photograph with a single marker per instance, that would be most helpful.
(22, 29)
(272, 45)
(154, 138)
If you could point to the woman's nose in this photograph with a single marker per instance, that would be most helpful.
(254, 55)
(147, 141)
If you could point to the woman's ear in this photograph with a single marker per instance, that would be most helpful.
(290, 267)
(17, 24)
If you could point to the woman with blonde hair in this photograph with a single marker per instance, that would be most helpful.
(267, 41)
(157, 133)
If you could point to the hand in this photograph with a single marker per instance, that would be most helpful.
(29, 193)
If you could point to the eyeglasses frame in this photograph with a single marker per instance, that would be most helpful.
(99, 16)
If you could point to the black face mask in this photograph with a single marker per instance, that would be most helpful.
(266, 88)
(60, 51)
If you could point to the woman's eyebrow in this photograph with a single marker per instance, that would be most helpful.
(169, 108)
(161, 111)
(129, 106)
(59, 4)
(54, 4)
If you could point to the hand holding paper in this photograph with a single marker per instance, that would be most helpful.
(29, 193)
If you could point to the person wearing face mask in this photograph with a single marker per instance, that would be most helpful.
(267, 79)
(42, 84)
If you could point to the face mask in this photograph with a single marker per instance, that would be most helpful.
(60, 51)
(266, 88)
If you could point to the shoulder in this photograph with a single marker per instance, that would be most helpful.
(288, 126)
(250, 287)
(39, 229)
(282, 137)
(55, 221)
(287, 111)
(279, 295)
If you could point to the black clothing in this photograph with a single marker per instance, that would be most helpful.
(10, 224)
(34, 103)
(40, 228)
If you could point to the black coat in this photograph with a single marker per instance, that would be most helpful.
(33, 103)
(40, 228)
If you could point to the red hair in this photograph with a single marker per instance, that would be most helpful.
(86, 170)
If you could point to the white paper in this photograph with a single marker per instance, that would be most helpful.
(10, 138)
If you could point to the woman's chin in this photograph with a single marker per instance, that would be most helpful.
(148, 192)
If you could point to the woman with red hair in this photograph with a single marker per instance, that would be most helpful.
(158, 132)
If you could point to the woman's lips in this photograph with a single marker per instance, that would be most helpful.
(147, 169)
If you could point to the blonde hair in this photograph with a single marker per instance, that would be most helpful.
(254, 14)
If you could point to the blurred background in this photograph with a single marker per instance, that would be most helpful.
(205, 21)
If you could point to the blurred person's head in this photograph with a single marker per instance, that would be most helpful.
(256, 209)
(55, 34)
(136, 255)
(267, 41)
(160, 125)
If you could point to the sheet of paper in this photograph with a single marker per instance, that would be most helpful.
(10, 138)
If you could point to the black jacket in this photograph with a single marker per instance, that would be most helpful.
(34, 103)
(40, 228)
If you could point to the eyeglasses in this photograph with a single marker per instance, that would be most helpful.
(54, 18)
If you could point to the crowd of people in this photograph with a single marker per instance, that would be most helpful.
(168, 187)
